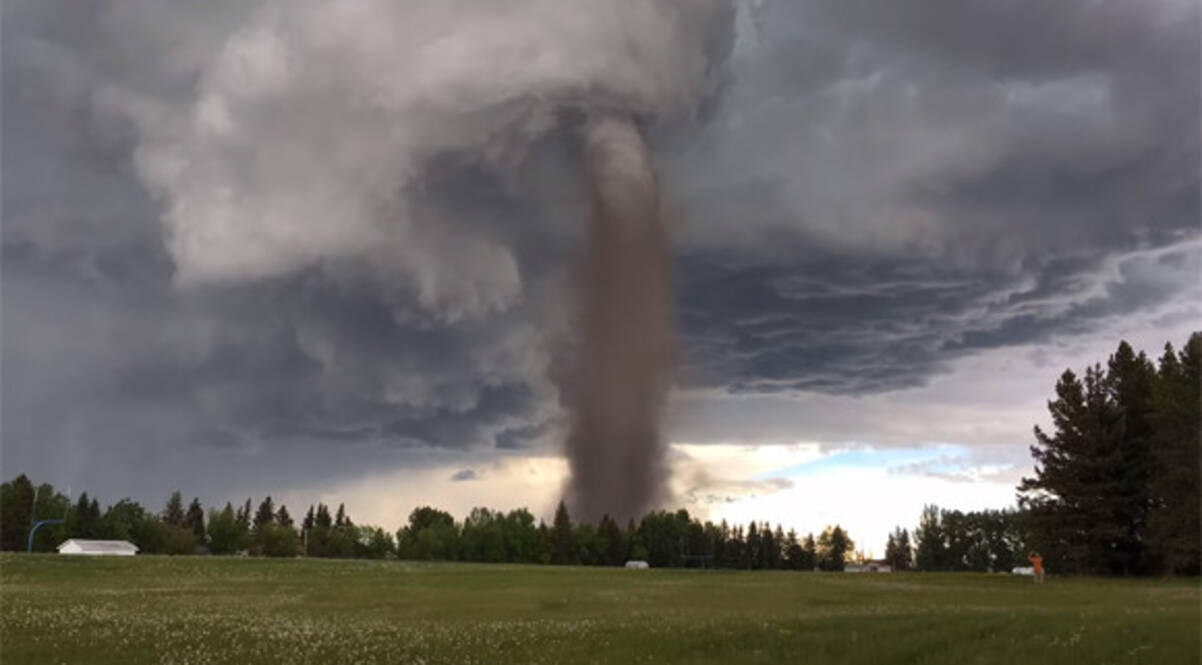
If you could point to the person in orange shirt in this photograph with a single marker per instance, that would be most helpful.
(1037, 564)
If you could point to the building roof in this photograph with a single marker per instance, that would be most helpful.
(100, 545)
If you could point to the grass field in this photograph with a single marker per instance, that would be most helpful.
(60, 609)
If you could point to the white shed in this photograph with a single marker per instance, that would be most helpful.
(880, 566)
(98, 547)
(637, 565)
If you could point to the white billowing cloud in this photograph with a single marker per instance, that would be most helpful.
(313, 124)
(704, 474)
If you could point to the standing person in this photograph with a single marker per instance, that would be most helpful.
(1037, 564)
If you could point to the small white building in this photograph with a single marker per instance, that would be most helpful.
(869, 567)
(98, 547)
(637, 565)
(1029, 571)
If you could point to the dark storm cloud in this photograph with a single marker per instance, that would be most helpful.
(464, 474)
(842, 328)
(876, 192)
(923, 182)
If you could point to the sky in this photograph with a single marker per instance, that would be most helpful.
(330, 250)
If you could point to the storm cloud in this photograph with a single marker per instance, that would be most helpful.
(862, 197)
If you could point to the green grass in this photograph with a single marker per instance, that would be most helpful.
(58, 609)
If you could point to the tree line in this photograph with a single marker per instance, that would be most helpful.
(663, 538)
(951, 540)
(265, 531)
(1115, 491)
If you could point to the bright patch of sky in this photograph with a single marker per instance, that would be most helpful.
(867, 491)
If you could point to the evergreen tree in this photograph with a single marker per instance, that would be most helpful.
(563, 548)
(173, 513)
(1129, 379)
(307, 531)
(615, 543)
(637, 550)
(931, 552)
(319, 536)
(794, 553)
(243, 514)
(282, 517)
(195, 520)
(16, 513)
(1075, 502)
(810, 548)
(751, 554)
(544, 543)
(778, 552)
(737, 547)
(721, 538)
(94, 517)
(904, 550)
(265, 514)
(897, 550)
(1173, 534)
(769, 547)
(85, 525)
(322, 520)
(957, 540)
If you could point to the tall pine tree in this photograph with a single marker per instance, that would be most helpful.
(195, 519)
(1075, 501)
(1129, 379)
(930, 551)
(563, 544)
(1173, 534)
(173, 513)
(16, 512)
(86, 520)
(265, 514)
(897, 550)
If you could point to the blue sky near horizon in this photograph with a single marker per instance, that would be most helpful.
(942, 456)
